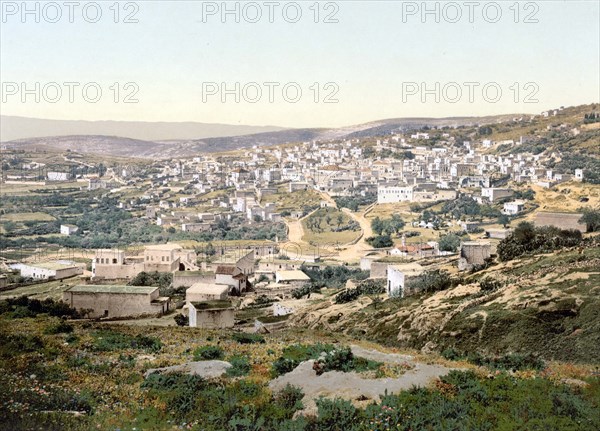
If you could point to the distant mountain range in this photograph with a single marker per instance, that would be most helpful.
(133, 139)
(13, 128)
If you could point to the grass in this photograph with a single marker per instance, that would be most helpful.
(207, 305)
(295, 201)
(21, 217)
(77, 375)
(320, 227)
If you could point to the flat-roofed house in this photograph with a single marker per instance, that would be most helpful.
(68, 229)
(112, 264)
(161, 258)
(200, 292)
(116, 300)
(211, 314)
(514, 207)
(398, 277)
(473, 253)
(50, 270)
(294, 276)
(560, 220)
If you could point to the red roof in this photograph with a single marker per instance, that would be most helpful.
(226, 269)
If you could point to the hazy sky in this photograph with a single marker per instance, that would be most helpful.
(371, 55)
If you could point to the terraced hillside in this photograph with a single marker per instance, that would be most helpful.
(547, 305)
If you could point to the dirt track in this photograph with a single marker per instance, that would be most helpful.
(353, 386)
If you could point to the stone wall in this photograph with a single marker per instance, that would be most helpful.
(117, 304)
(214, 318)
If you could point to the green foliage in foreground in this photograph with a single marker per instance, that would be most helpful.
(508, 362)
(23, 306)
(460, 401)
(327, 358)
(248, 338)
(365, 287)
(527, 238)
(334, 276)
(109, 340)
(207, 353)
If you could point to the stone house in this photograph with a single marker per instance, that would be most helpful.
(50, 270)
(116, 300)
(398, 277)
(211, 315)
(473, 253)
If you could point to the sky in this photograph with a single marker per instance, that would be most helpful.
(361, 61)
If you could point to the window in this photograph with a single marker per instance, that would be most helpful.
(114, 260)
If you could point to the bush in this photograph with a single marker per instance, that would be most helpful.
(294, 354)
(342, 359)
(365, 287)
(61, 327)
(206, 353)
(240, 366)
(336, 414)
(380, 241)
(488, 284)
(305, 290)
(430, 281)
(247, 338)
(290, 398)
(527, 238)
(334, 276)
(25, 307)
(181, 320)
(109, 340)
(449, 242)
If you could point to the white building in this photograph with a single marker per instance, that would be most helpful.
(68, 229)
(397, 277)
(50, 270)
(394, 194)
(514, 207)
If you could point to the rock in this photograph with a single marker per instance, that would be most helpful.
(429, 348)
(574, 382)
(206, 369)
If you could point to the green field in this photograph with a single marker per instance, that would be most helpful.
(320, 227)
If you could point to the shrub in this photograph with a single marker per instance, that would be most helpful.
(334, 276)
(108, 340)
(240, 366)
(290, 398)
(342, 359)
(430, 281)
(294, 354)
(61, 327)
(380, 241)
(181, 320)
(527, 238)
(247, 338)
(488, 284)
(336, 414)
(29, 307)
(205, 353)
(305, 290)
(449, 242)
(365, 287)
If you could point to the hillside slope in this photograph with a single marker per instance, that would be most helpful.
(549, 305)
